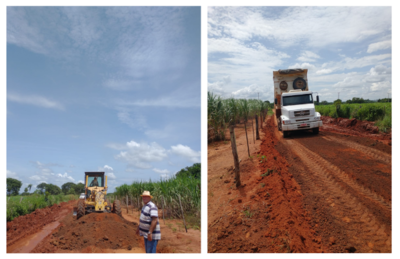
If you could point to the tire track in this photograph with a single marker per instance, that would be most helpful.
(322, 178)
(319, 163)
(378, 155)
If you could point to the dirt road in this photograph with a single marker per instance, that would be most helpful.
(56, 230)
(308, 193)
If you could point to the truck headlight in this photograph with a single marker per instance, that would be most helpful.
(317, 118)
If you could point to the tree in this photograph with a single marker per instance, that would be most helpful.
(194, 171)
(25, 192)
(66, 187)
(29, 187)
(337, 104)
(53, 189)
(41, 187)
(13, 186)
(79, 188)
(71, 191)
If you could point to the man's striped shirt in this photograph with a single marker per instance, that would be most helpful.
(149, 210)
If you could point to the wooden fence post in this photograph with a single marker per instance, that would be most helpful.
(162, 204)
(183, 216)
(20, 199)
(253, 131)
(258, 135)
(127, 204)
(235, 155)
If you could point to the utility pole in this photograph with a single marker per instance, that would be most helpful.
(338, 95)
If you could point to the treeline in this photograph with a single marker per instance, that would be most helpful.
(14, 187)
(358, 100)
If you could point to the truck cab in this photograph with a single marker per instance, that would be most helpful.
(294, 103)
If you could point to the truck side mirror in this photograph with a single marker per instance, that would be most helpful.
(317, 99)
(276, 101)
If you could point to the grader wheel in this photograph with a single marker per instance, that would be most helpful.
(81, 209)
(117, 208)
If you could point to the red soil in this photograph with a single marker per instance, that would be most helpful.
(56, 230)
(356, 128)
(318, 193)
(23, 226)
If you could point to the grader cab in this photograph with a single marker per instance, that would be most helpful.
(94, 198)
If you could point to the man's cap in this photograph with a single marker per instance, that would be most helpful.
(146, 193)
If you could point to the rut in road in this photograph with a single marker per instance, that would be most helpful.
(378, 155)
(365, 231)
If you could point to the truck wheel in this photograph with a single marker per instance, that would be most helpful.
(315, 130)
(279, 125)
(117, 208)
(285, 134)
(81, 209)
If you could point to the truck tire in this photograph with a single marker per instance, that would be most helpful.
(315, 130)
(285, 134)
(80, 212)
(117, 208)
(300, 80)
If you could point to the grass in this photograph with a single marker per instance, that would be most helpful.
(17, 207)
(381, 113)
(269, 171)
(248, 213)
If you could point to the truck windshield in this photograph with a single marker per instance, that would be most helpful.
(297, 99)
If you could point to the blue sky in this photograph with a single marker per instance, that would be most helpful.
(114, 89)
(347, 50)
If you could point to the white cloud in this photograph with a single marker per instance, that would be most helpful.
(65, 176)
(251, 92)
(351, 24)
(141, 155)
(186, 152)
(381, 87)
(36, 178)
(324, 71)
(163, 173)
(159, 171)
(379, 45)
(308, 56)
(34, 100)
(11, 174)
(133, 119)
(109, 172)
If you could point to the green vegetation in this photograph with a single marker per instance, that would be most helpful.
(13, 186)
(186, 185)
(380, 112)
(22, 205)
(225, 112)
(248, 213)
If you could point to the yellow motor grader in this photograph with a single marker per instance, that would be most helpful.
(93, 200)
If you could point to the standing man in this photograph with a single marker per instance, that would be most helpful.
(149, 227)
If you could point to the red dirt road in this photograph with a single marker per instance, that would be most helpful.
(55, 230)
(324, 193)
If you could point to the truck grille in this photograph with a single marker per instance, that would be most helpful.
(302, 113)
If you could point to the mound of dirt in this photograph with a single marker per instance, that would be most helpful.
(31, 223)
(104, 230)
(355, 127)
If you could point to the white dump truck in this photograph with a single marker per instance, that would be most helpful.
(294, 104)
